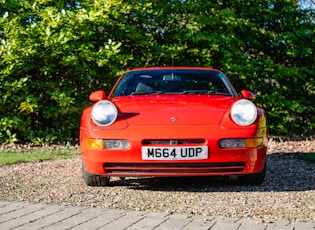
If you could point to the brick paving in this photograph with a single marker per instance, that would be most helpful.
(20, 215)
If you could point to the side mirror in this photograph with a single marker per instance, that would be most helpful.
(248, 95)
(97, 96)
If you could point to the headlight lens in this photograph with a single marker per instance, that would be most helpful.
(254, 142)
(116, 144)
(233, 143)
(244, 112)
(104, 113)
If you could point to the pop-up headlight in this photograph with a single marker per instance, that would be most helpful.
(104, 113)
(244, 112)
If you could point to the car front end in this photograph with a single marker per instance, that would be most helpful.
(173, 134)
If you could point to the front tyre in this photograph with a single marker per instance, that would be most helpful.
(94, 180)
(253, 179)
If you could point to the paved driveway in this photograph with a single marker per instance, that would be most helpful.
(19, 215)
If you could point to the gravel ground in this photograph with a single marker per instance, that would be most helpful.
(288, 192)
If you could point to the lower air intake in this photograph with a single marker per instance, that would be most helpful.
(173, 168)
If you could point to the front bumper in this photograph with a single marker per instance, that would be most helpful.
(129, 163)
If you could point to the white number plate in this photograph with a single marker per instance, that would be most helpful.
(175, 153)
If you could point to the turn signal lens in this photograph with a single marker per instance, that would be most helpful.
(94, 144)
(254, 142)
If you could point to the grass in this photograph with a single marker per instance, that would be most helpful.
(310, 157)
(9, 157)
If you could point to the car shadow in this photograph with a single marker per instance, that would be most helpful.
(285, 172)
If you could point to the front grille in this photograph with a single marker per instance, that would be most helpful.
(173, 168)
(172, 141)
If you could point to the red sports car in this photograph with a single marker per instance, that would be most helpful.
(173, 121)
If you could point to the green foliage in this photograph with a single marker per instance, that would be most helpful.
(55, 53)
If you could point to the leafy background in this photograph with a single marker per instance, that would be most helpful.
(54, 53)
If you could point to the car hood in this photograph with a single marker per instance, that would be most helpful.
(173, 110)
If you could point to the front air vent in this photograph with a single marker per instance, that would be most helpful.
(172, 141)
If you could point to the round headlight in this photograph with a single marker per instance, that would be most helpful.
(104, 113)
(244, 112)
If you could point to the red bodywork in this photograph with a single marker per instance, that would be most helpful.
(173, 120)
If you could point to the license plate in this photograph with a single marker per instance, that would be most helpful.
(175, 153)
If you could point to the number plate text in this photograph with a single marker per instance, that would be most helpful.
(175, 153)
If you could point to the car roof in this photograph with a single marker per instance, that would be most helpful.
(172, 67)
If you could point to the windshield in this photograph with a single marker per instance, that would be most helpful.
(173, 81)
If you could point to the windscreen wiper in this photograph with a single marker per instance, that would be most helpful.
(198, 92)
(146, 92)
(208, 92)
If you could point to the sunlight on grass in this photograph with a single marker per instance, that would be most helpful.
(23, 156)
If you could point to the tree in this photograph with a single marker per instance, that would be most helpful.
(54, 53)
(266, 46)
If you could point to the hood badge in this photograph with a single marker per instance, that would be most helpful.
(174, 118)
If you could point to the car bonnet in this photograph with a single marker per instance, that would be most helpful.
(173, 109)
